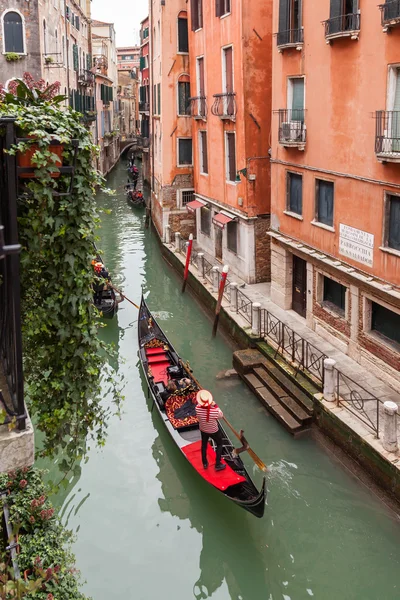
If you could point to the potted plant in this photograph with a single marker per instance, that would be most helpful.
(48, 60)
(12, 56)
(28, 92)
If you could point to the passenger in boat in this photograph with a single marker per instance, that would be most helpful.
(169, 390)
(183, 383)
(208, 415)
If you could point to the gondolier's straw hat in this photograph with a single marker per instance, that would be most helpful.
(204, 398)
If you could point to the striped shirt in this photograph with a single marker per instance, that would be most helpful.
(210, 426)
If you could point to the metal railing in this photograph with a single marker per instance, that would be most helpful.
(342, 24)
(357, 400)
(144, 106)
(100, 61)
(292, 130)
(244, 306)
(290, 37)
(224, 106)
(10, 537)
(390, 11)
(198, 107)
(10, 301)
(86, 78)
(387, 137)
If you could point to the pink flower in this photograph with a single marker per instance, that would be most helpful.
(34, 504)
(37, 561)
(41, 500)
(50, 597)
(23, 483)
(49, 573)
(32, 519)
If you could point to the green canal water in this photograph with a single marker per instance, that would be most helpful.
(148, 528)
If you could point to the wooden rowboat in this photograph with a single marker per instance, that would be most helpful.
(160, 363)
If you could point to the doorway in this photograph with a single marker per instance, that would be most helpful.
(218, 243)
(299, 286)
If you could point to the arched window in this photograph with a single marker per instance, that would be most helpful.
(13, 32)
(183, 38)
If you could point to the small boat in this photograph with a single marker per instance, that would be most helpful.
(105, 300)
(135, 197)
(160, 363)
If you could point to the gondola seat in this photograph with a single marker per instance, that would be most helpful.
(177, 401)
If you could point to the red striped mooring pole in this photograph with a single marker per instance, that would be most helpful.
(188, 254)
(222, 283)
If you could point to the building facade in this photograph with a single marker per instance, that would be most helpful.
(335, 225)
(128, 60)
(144, 96)
(106, 80)
(171, 123)
(230, 81)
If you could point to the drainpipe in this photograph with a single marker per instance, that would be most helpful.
(67, 46)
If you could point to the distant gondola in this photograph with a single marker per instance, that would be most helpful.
(104, 299)
(135, 197)
(160, 362)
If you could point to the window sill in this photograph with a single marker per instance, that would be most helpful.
(183, 53)
(323, 226)
(231, 183)
(184, 166)
(298, 46)
(353, 34)
(199, 29)
(333, 310)
(390, 250)
(379, 338)
(19, 54)
(185, 116)
(204, 174)
(204, 233)
(225, 15)
(289, 213)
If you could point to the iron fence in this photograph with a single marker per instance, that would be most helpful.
(292, 129)
(198, 107)
(224, 106)
(387, 136)
(357, 400)
(244, 306)
(289, 37)
(343, 23)
(390, 11)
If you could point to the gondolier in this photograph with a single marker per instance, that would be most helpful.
(208, 414)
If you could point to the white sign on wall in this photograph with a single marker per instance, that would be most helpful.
(356, 244)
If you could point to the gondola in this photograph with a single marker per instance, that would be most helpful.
(160, 363)
(135, 197)
(105, 300)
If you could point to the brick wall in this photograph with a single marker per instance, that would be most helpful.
(385, 352)
(338, 323)
(178, 219)
(263, 249)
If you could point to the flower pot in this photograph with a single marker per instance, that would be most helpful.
(24, 159)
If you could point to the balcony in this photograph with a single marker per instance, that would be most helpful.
(224, 106)
(198, 107)
(390, 14)
(100, 63)
(144, 107)
(292, 38)
(342, 26)
(86, 78)
(387, 139)
(292, 129)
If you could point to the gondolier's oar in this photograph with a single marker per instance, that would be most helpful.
(245, 445)
(121, 294)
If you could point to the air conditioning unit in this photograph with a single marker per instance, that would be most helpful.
(293, 131)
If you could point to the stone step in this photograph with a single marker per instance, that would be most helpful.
(273, 405)
(288, 386)
(288, 402)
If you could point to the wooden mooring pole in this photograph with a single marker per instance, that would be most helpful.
(188, 254)
(222, 283)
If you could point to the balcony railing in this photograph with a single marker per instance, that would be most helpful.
(100, 62)
(198, 107)
(86, 78)
(224, 106)
(292, 129)
(290, 37)
(344, 25)
(387, 139)
(390, 13)
(144, 106)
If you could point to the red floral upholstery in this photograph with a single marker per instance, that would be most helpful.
(176, 401)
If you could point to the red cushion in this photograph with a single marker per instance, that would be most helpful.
(159, 372)
(152, 351)
(219, 479)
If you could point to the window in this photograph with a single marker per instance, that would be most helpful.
(294, 193)
(203, 153)
(183, 38)
(393, 222)
(324, 202)
(186, 197)
(184, 151)
(230, 152)
(222, 7)
(289, 22)
(205, 220)
(385, 322)
(159, 98)
(183, 98)
(44, 37)
(334, 295)
(197, 14)
(232, 236)
(13, 33)
(227, 81)
(343, 16)
(295, 99)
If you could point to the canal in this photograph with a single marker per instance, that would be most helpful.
(148, 528)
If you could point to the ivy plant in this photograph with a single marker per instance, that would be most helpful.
(65, 364)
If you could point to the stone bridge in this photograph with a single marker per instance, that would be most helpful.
(135, 143)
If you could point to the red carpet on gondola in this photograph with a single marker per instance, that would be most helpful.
(220, 479)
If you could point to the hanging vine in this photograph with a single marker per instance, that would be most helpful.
(65, 363)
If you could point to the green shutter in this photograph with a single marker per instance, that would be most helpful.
(88, 61)
(142, 63)
(75, 57)
(298, 100)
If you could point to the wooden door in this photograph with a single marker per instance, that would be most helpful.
(218, 243)
(299, 286)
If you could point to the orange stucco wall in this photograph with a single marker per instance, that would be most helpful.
(252, 85)
(345, 83)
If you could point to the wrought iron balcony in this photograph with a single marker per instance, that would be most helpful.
(86, 78)
(292, 129)
(224, 106)
(100, 62)
(290, 38)
(343, 26)
(144, 106)
(387, 139)
(198, 107)
(390, 14)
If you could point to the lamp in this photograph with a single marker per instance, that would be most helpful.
(239, 173)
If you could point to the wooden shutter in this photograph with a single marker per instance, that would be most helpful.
(194, 14)
(77, 23)
(183, 38)
(295, 193)
(284, 22)
(325, 202)
(88, 61)
(231, 148)
(204, 152)
(228, 53)
(75, 57)
(200, 5)
(159, 98)
(13, 33)
(394, 223)
(336, 12)
(201, 90)
(218, 8)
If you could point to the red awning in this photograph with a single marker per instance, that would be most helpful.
(191, 206)
(221, 220)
